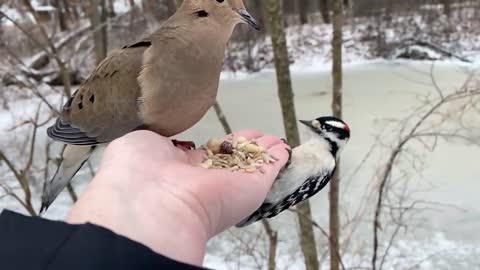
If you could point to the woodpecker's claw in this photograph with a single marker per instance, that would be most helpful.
(189, 145)
(289, 161)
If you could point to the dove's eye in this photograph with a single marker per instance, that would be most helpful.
(202, 13)
(220, 1)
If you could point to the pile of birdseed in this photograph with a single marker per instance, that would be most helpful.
(235, 154)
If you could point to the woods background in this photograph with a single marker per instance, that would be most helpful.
(47, 48)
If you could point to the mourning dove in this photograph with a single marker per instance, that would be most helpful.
(165, 83)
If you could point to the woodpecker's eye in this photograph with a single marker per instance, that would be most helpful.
(327, 127)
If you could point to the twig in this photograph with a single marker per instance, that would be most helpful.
(316, 225)
(399, 148)
(272, 239)
(221, 117)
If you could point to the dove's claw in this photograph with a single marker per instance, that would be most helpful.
(188, 145)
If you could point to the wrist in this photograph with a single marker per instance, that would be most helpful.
(144, 212)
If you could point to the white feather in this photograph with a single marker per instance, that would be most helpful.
(336, 124)
(310, 158)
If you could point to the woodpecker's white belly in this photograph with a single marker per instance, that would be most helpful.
(309, 159)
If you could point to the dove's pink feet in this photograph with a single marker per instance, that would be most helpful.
(187, 145)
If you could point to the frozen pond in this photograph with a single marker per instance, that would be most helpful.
(373, 92)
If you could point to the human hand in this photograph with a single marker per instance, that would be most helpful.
(154, 193)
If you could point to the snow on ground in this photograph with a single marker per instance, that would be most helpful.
(439, 253)
(387, 89)
(373, 86)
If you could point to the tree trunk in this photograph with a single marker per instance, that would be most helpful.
(307, 236)
(282, 66)
(257, 8)
(171, 7)
(447, 7)
(273, 241)
(111, 9)
(275, 23)
(61, 12)
(98, 16)
(302, 9)
(337, 111)
(324, 11)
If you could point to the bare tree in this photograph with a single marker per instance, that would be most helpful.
(276, 25)
(111, 9)
(61, 13)
(447, 7)
(427, 125)
(171, 6)
(98, 16)
(337, 112)
(324, 10)
(302, 9)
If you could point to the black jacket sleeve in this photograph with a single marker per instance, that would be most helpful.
(35, 243)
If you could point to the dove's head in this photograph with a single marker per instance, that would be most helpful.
(223, 12)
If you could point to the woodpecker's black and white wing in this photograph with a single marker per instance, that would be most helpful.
(310, 187)
(312, 164)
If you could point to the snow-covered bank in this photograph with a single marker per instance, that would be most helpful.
(373, 91)
(438, 253)
(320, 64)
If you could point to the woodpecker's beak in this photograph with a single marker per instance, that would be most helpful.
(307, 123)
(247, 18)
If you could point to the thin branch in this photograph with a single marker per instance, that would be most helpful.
(221, 117)
(27, 33)
(273, 240)
(413, 133)
(316, 225)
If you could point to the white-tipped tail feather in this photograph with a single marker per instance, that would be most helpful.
(73, 159)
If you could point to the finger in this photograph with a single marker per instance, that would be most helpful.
(250, 134)
(246, 191)
(268, 141)
(196, 156)
(280, 152)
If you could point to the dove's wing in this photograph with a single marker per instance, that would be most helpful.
(105, 107)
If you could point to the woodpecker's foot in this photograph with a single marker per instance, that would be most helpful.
(289, 161)
(189, 145)
(289, 154)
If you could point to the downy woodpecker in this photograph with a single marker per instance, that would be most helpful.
(310, 168)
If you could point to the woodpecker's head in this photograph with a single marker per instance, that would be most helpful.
(332, 129)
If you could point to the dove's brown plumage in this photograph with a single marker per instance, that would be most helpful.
(105, 106)
(165, 82)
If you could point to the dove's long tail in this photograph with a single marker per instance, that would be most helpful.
(73, 159)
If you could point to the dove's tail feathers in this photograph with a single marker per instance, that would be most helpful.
(73, 159)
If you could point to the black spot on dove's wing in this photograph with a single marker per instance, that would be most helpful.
(105, 106)
(310, 187)
(143, 43)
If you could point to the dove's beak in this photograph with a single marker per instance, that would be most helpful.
(247, 18)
